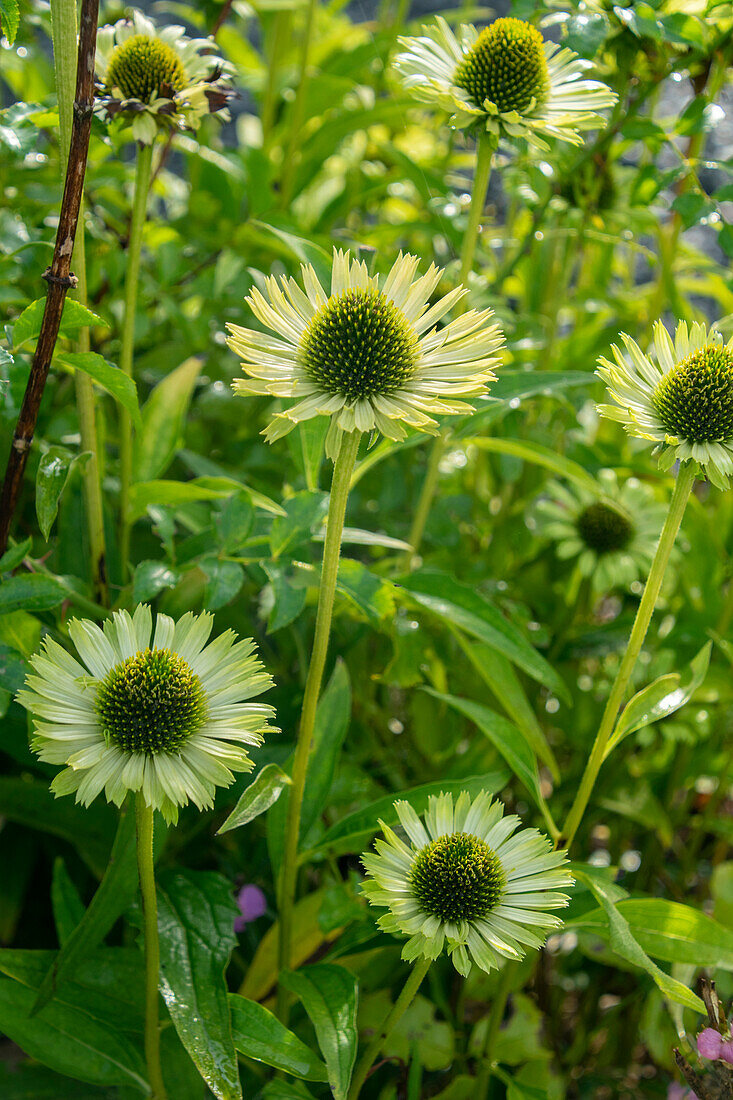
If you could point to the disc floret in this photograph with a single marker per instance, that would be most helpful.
(506, 66)
(145, 68)
(457, 877)
(695, 399)
(152, 702)
(359, 345)
(604, 528)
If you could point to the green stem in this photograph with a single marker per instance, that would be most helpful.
(398, 1010)
(64, 30)
(425, 500)
(298, 115)
(680, 496)
(485, 148)
(143, 173)
(146, 871)
(496, 1015)
(329, 574)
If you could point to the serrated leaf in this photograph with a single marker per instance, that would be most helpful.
(9, 19)
(74, 317)
(108, 376)
(30, 592)
(53, 473)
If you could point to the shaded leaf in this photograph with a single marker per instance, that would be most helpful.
(259, 1034)
(108, 376)
(53, 472)
(329, 996)
(162, 420)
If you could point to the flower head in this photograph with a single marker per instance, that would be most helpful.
(156, 711)
(159, 78)
(505, 79)
(612, 534)
(466, 880)
(680, 395)
(368, 357)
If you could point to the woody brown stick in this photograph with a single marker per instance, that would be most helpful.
(58, 276)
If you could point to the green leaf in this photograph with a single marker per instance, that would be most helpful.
(329, 996)
(353, 832)
(174, 494)
(53, 473)
(74, 317)
(113, 895)
(539, 455)
(372, 595)
(196, 913)
(69, 1040)
(90, 830)
(263, 792)
(310, 436)
(331, 724)
(304, 515)
(622, 941)
(259, 1034)
(162, 421)
(514, 386)
(151, 577)
(670, 931)
(288, 599)
(30, 592)
(223, 581)
(12, 557)
(9, 19)
(661, 698)
(462, 606)
(504, 735)
(68, 908)
(499, 676)
(108, 376)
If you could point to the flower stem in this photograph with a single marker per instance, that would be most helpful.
(279, 34)
(64, 31)
(139, 206)
(485, 149)
(425, 500)
(342, 471)
(496, 1015)
(146, 872)
(298, 115)
(680, 496)
(398, 1010)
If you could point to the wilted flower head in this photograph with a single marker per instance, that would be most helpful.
(466, 880)
(369, 357)
(159, 78)
(167, 715)
(611, 535)
(505, 79)
(680, 395)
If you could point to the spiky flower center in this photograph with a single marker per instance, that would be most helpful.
(457, 877)
(694, 400)
(145, 68)
(359, 345)
(506, 65)
(604, 528)
(152, 702)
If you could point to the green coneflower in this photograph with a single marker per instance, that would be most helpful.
(369, 357)
(505, 79)
(681, 396)
(611, 535)
(157, 711)
(159, 78)
(466, 881)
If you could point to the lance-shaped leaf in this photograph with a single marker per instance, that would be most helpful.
(196, 913)
(329, 996)
(53, 473)
(258, 1034)
(662, 698)
(263, 792)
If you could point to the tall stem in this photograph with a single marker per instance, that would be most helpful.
(342, 471)
(63, 32)
(280, 31)
(496, 1015)
(425, 500)
(485, 148)
(298, 115)
(146, 872)
(398, 1010)
(680, 496)
(134, 247)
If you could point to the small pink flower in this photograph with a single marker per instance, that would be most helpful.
(252, 904)
(680, 1092)
(709, 1044)
(726, 1051)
